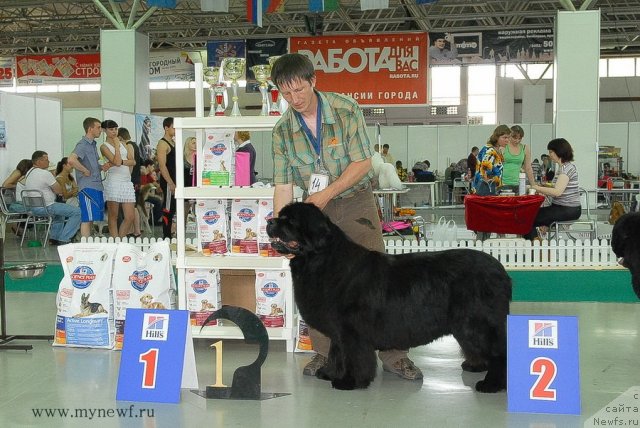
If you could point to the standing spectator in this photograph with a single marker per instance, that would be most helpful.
(472, 161)
(243, 144)
(66, 218)
(386, 156)
(67, 183)
(488, 176)
(166, 154)
(190, 175)
(118, 188)
(84, 159)
(340, 163)
(517, 156)
(125, 138)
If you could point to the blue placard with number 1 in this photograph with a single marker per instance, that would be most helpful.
(157, 348)
(543, 364)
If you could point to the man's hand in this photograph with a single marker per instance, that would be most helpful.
(319, 199)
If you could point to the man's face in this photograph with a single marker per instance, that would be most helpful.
(171, 131)
(42, 162)
(299, 94)
(439, 43)
(95, 130)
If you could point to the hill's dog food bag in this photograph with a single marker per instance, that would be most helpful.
(244, 226)
(85, 306)
(141, 280)
(270, 304)
(203, 294)
(217, 155)
(213, 237)
(265, 212)
(303, 339)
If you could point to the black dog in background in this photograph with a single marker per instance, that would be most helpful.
(625, 242)
(366, 301)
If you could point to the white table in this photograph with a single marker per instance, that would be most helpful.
(419, 192)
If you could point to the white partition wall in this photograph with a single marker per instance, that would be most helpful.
(72, 130)
(540, 135)
(633, 144)
(534, 99)
(422, 144)
(31, 123)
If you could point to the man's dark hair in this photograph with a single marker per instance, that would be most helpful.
(167, 122)
(385, 146)
(292, 67)
(37, 155)
(88, 123)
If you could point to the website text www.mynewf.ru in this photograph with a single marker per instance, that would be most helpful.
(93, 413)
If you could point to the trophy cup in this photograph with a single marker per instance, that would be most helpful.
(274, 110)
(233, 69)
(216, 90)
(262, 73)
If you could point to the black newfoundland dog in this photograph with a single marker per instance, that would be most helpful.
(625, 242)
(365, 300)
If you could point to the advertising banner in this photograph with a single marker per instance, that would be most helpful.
(258, 52)
(6, 72)
(53, 69)
(171, 66)
(216, 51)
(374, 69)
(534, 45)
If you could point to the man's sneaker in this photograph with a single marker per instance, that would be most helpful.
(404, 368)
(317, 362)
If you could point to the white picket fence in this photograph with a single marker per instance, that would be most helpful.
(512, 253)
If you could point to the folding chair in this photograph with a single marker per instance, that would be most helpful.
(37, 213)
(8, 197)
(582, 225)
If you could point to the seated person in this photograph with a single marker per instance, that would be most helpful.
(402, 172)
(16, 180)
(67, 183)
(150, 190)
(565, 194)
(66, 218)
(421, 172)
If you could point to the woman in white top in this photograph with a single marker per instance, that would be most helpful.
(118, 188)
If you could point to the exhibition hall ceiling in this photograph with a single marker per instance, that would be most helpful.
(45, 26)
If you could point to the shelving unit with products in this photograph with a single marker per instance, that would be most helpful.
(184, 261)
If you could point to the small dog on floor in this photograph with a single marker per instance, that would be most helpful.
(625, 242)
(366, 301)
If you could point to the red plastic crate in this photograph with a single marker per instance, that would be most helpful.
(501, 214)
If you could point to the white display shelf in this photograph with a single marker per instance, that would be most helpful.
(233, 332)
(217, 192)
(253, 123)
(231, 262)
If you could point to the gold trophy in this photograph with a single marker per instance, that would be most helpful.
(262, 73)
(274, 110)
(234, 69)
(216, 90)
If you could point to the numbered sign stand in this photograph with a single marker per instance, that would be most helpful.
(246, 383)
(157, 356)
(543, 364)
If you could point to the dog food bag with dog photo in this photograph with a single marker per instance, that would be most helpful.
(141, 280)
(217, 155)
(270, 304)
(212, 221)
(303, 338)
(85, 306)
(244, 226)
(203, 294)
(265, 213)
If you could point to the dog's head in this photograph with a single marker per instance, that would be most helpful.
(146, 298)
(299, 229)
(624, 243)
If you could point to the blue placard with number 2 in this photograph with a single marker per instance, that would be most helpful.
(153, 353)
(543, 364)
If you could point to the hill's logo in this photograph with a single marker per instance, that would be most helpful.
(218, 149)
(543, 334)
(200, 286)
(246, 214)
(270, 289)
(155, 327)
(82, 277)
(140, 279)
(211, 217)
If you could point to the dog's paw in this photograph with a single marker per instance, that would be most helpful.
(474, 367)
(322, 374)
(489, 387)
(346, 384)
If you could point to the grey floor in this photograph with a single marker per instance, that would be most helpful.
(57, 378)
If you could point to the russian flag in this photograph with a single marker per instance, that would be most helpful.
(255, 9)
(275, 6)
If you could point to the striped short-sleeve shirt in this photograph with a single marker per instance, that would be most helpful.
(344, 140)
(571, 195)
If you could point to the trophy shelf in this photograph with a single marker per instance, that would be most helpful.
(253, 123)
(226, 261)
(217, 192)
